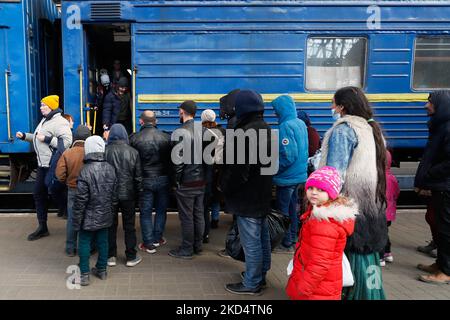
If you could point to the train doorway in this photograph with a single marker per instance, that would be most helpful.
(107, 51)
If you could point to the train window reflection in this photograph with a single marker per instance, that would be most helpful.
(333, 63)
(431, 63)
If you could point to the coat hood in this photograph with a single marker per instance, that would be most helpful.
(441, 101)
(284, 107)
(227, 104)
(302, 115)
(118, 132)
(94, 144)
(343, 212)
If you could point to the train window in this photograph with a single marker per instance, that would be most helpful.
(333, 63)
(431, 63)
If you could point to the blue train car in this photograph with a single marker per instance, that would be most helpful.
(28, 70)
(397, 51)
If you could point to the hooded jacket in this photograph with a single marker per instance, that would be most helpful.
(53, 126)
(126, 161)
(433, 172)
(293, 143)
(96, 190)
(317, 272)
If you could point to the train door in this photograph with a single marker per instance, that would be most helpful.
(104, 46)
(5, 130)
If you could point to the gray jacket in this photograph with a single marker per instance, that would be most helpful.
(53, 128)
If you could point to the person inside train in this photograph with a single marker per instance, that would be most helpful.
(117, 73)
(433, 179)
(117, 107)
(45, 138)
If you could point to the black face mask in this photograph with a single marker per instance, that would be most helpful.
(181, 119)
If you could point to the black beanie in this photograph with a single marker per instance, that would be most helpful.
(81, 133)
(189, 106)
(123, 82)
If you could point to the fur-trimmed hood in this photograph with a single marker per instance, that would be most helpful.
(342, 211)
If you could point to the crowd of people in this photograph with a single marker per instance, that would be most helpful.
(339, 209)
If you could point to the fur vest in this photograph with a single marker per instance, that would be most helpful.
(360, 184)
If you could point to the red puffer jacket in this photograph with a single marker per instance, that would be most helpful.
(317, 273)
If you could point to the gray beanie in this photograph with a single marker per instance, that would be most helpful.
(94, 144)
(208, 115)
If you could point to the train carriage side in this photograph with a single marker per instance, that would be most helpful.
(202, 50)
(25, 26)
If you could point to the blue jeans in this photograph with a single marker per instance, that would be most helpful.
(255, 239)
(71, 235)
(287, 198)
(215, 210)
(156, 193)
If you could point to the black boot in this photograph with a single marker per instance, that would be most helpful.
(40, 232)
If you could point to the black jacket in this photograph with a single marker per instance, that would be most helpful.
(127, 163)
(116, 108)
(154, 148)
(247, 192)
(96, 194)
(433, 172)
(189, 174)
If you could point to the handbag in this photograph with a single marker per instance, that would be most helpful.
(347, 275)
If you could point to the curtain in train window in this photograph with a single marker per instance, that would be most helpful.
(333, 63)
(432, 63)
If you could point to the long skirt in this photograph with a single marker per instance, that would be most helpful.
(367, 275)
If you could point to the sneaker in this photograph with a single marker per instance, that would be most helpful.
(382, 263)
(223, 253)
(283, 249)
(214, 224)
(159, 243)
(71, 253)
(112, 262)
(84, 279)
(101, 274)
(388, 257)
(134, 262)
(149, 249)
(177, 253)
(238, 288)
(428, 248)
(262, 284)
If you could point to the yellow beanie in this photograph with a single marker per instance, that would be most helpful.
(51, 101)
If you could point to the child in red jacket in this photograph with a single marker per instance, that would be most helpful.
(328, 221)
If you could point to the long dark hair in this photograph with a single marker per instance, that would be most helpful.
(355, 103)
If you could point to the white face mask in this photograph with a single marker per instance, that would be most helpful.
(335, 115)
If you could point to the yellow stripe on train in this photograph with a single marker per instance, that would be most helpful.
(268, 97)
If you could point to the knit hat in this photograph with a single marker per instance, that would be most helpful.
(248, 101)
(327, 179)
(94, 144)
(81, 133)
(208, 115)
(189, 106)
(51, 101)
(123, 82)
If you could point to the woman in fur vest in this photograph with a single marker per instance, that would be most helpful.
(326, 224)
(355, 147)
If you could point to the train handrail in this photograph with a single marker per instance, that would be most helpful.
(8, 114)
(80, 71)
(134, 99)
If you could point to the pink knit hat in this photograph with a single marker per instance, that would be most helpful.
(327, 179)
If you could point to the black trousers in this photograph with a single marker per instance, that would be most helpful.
(441, 204)
(190, 209)
(387, 249)
(128, 222)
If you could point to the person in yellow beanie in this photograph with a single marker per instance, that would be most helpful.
(51, 101)
(52, 130)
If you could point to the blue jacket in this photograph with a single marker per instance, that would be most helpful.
(293, 141)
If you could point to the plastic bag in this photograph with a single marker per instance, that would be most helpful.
(278, 226)
(347, 275)
(233, 243)
(290, 267)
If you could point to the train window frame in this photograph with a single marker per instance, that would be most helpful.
(414, 89)
(365, 64)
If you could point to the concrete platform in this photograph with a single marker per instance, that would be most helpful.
(36, 270)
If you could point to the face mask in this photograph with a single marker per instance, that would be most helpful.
(335, 115)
